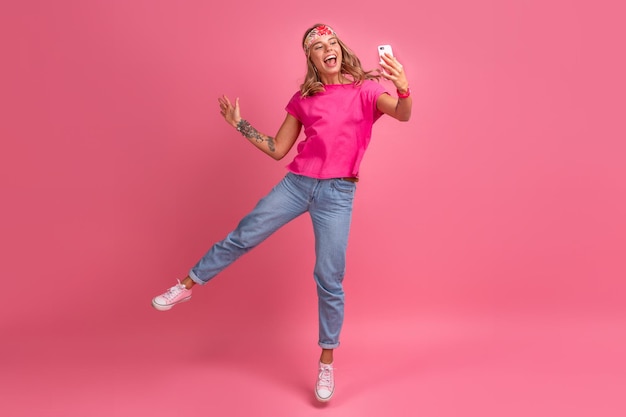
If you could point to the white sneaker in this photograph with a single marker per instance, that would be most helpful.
(175, 295)
(325, 382)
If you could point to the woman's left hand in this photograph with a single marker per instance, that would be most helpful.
(394, 72)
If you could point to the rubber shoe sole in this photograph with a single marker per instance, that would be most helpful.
(161, 307)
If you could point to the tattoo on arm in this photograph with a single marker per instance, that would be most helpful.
(270, 144)
(250, 132)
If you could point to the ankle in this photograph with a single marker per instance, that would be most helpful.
(188, 283)
(327, 356)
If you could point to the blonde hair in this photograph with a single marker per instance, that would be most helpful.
(350, 66)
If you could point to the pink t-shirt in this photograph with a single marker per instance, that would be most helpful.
(338, 127)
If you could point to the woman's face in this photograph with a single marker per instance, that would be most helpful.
(325, 53)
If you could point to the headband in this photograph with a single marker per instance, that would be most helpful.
(315, 33)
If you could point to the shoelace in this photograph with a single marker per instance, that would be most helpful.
(325, 379)
(174, 291)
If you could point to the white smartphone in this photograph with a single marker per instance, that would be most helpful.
(382, 49)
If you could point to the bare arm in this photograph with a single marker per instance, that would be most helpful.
(398, 108)
(276, 147)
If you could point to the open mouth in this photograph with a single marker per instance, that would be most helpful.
(331, 60)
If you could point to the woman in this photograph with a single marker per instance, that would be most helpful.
(337, 105)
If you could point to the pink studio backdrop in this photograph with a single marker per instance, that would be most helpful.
(493, 221)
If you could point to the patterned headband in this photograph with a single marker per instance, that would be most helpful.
(315, 33)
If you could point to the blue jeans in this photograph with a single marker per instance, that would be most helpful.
(329, 203)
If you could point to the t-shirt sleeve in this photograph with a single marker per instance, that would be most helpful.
(293, 106)
(374, 90)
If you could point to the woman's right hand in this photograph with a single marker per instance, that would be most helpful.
(228, 111)
(394, 72)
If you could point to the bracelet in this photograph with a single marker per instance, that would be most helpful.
(405, 95)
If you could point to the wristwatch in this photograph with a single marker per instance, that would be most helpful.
(405, 95)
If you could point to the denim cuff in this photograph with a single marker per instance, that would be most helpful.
(195, 278)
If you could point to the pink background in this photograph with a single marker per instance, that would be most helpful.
(486, 264)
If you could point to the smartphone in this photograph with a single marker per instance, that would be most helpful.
(382, 49)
